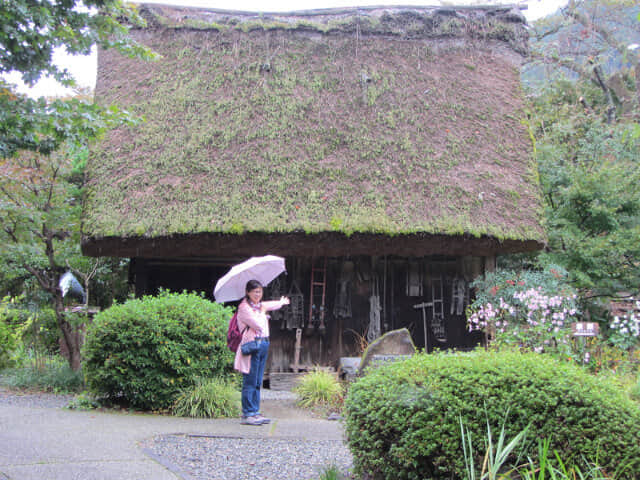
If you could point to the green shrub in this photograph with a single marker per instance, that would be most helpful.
(39, 330)
(635, 390)
(7, 334)
(7, 344)
(53, 375)
(213, 398)
(318, 388)
(145, 351)
(403, 419)
(83, 401)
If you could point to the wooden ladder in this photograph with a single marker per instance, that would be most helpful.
(317, 291)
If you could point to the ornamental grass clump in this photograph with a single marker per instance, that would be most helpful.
(319, 388)
(402, 420)
(145, 352)
(211, 398)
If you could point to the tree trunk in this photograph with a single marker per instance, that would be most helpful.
(70, 334)
(611, 109)
(637, 72)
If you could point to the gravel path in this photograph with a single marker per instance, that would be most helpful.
(223, 458)
(35, 400)
(219, 458)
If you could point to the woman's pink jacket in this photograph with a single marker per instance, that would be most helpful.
(258, 327)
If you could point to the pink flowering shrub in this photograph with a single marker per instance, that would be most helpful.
(532, 310)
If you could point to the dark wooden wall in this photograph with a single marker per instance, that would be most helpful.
(340, 337)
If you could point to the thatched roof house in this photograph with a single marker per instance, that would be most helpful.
(340, 132)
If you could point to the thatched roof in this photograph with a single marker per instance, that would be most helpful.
(400, 122)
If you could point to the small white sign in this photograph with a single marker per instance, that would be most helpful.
(585, 329)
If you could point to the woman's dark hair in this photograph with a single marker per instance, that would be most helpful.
(251, 285)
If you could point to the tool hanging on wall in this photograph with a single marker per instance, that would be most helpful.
(342, 303)
(294, 315)
(318, 292)
(458, 296)
(385, 320)
(414, 279)
(374, 330)
(437, 318)
(275, 292)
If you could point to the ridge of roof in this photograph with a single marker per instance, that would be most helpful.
(343, 10)
(501, 22)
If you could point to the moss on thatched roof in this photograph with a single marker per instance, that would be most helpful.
(389, 121)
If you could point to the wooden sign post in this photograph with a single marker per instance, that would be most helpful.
(583, 330)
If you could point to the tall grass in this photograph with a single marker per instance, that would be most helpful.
(547, 465)
(496, 456)
(319, 388)
(210, 398)
(550, 466)
(331, 473)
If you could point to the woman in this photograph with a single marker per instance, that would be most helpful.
(254, 323)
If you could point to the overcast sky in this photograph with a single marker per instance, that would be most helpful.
(84, 68)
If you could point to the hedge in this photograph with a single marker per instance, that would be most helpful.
(403, 419)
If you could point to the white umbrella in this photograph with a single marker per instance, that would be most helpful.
(263, 269)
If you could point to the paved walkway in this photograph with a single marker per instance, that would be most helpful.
(44, 443)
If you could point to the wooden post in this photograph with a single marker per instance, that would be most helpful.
(490, 264)
(296, 357)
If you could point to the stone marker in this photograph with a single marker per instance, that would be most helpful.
(393, 345)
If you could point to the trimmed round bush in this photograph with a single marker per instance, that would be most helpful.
(403, 419)
(145, 351)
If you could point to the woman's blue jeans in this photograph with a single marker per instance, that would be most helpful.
(252, 381)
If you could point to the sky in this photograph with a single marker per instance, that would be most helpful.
(83, 68)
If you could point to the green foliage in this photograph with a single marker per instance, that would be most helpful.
(45, 126)
(496, 455)
(54, 375)
(210, 398)
(331, 472)
(83, 401)
(147, 350)
(635, 391)
(39, 332)
(7, 334)
(40, 239)
(590, 179)
(550, 465)
(505, 283)
(319, 388)
(43, 143)
(30, 33)
(403, 419)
